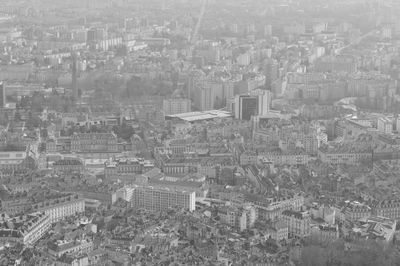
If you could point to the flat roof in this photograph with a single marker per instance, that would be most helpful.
(198, 116)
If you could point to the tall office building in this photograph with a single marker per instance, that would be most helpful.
(257, 103)
(245, 106)
(157, 199)
(264, 99)
(210, 95)
(195, 82)
(2, 95)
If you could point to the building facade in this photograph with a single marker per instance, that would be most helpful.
(94, 143)
(298, 223)
(25, 229)
(176, 106)
(158, 199)
(60, 208)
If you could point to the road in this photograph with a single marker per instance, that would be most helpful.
(193, 39)
(340, 50)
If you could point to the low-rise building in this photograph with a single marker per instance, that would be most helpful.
(122, 168)
(25, 229)
(239, 217)
(15, 159)
(375, 227)
(16, 206)
(345, 155)
(354, 211)
(325, 232)
(69, 166)
(94, 143)
(71, 248)
(279, 158)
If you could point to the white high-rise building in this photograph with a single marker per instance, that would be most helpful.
(264, 99)
(398, 124)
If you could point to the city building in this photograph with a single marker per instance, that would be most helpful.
(289, 158)
(332, 64)
(94, 143)
(325, 232)
(69, 166)
(345, 155)
(389, 208)
(14, 159)
(398, 124)
(176, 106)
(271, 72)
(239, 217)
(264, 101)
(298, 223)
(385, 125)
(157, 199)
(257, 102)
(71, 248)
(122, 169)
(278, 230)
(354, 211)
(25, 229)
(59, 208)
(246, 106)
(375, 227)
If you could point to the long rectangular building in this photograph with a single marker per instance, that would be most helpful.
(60, 208)
(94, 143)
(157, 199)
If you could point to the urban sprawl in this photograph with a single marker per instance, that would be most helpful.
(182, 132)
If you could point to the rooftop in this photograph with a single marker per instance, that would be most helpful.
(199, 116)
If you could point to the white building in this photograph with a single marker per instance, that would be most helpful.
(385, 125)
(264, 100)
(157, 199)
(60, 208)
